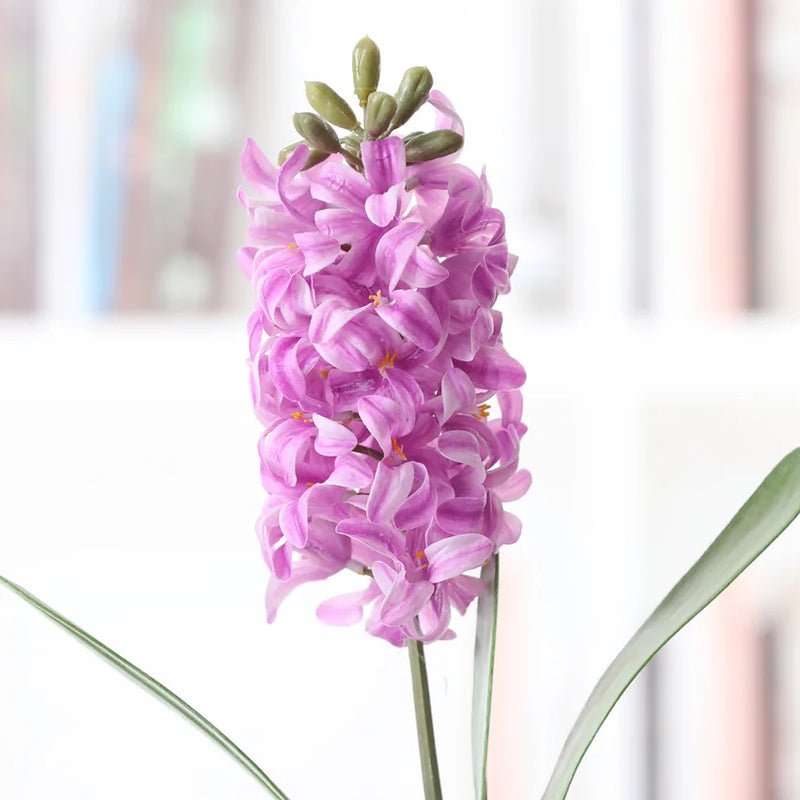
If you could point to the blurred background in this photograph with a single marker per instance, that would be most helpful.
(647, 156)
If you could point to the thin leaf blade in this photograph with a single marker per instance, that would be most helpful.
(483, 673)
(150, 684)
(765, 515)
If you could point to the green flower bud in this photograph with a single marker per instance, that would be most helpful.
(315, 157)
(435, 144)
(354, 161)
(351, 150)
(409, 136)
(366, 69)
(351, 145)
(413, 91)
(381, 108)
(330, 105)
(316, 132)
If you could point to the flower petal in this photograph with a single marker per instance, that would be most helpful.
(405, 601)
(346, 609)
(446, 117)
(385, 576)
(462, 590)
(318, 250)
(492, 368)
(299, 204)
(277, 555)
(450, 557)
(461, 447)
(342, 224)
(383, 539)
(511, 529)
(303, 572)
(515, 487)
(284, 369)
(463, 346)
(379, 415)
(294, 521)
(510, 406)
(383, 208)
(434, 617)
(340, 185)
(257, 169)
(461, 515)
(280, 449)
(333, 439)
(406, 392)
(423, 270)
(413, 317)
(419, 507)
(255, 330)
(384, 162)
(395, 249)
(352, 471)
(271, 227)
(389, 489)
(326, 333)
(458, 392)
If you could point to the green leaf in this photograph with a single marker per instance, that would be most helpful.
(768, 512)
(153, 686)
(485, 637)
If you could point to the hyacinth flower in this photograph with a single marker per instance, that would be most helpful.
(392, 410)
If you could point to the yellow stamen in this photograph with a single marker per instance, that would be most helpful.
(310, 483)
(483, 411)
(376, 298)
(388, 359)
(297, 415)
(324, 372)
(398, 448)
(420, 556)
(293, 246)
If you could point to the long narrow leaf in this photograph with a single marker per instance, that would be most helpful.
(767, 513)
(153, 686)
(483, 672)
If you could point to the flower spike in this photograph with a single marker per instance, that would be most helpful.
(375, 352)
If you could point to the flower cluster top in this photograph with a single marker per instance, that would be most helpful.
(391, 409)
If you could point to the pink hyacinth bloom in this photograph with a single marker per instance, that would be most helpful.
(391, 410)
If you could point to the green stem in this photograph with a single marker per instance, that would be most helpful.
(422, 709)
(368, 451)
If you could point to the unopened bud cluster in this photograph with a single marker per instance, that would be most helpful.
(382, 114)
